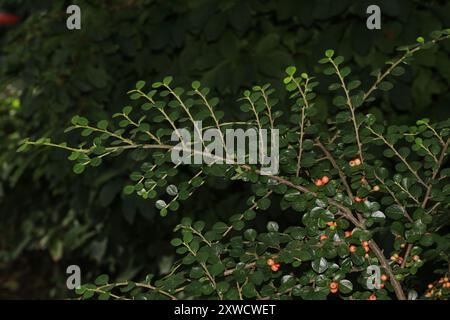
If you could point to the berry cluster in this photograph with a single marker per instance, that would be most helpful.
(437, 290)
(273, 265)
(322, 181)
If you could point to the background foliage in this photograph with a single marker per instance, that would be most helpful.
(50, 219)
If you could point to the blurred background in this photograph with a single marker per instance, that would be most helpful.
(50, 218)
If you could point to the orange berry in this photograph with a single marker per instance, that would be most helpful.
(357, 162)
(382, 286)
(376, 188)
(384, 277)
(332, 224)
(447, 285)
(351, 163)
(445, 279)
(334, 285)
(365, 243)
(352, 249)
(348, 234)
(323, 237)
(318, 182)
(270, 262)
(325, 179)
(274, 268)
(366, 249)
(441, 280)
(358, 199)
(400, 260)
(430, 286)
(334, 290)
(416, 258)
(366, 255)
(373, 297)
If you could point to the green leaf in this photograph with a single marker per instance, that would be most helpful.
(167, 80)
(220, 227)
(398, 71)
(329, 71)
(74, 156)
(126, 110)
(353, 84)
(385, 86)
(263, 203)
(249, 215)
(187, 237)
(172, 190)
(88, 294)
(102, 280)
(160, 204)
(176, 242)
(249, 290)
(135, 96)
(329, 53)
(394, 212)
(104, 296)
(102, 124)
(140, 85)
(79, 168)
(195, 85)
(250, 234)
(291, 70)
(319, 265)
(216, 269)
(345, 71)
(272, 226)
(128, 189)
(345, 286)
(339, 101)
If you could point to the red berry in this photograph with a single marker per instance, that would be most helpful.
(358, 199)
(8, 19)
(334, 285)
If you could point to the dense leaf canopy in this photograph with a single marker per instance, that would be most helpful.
(51, 218)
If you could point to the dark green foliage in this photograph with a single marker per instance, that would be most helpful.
(53, 74)
(368, 193)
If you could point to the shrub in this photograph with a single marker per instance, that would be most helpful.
(228, 47)
(365, 194)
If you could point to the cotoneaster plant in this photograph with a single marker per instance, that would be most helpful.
(366, 194)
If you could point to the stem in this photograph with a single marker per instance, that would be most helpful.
(351, 108)
(302, 124)
(395, 64)
(436, 171)
(385, 264)
(419, 179)
(334, 164)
